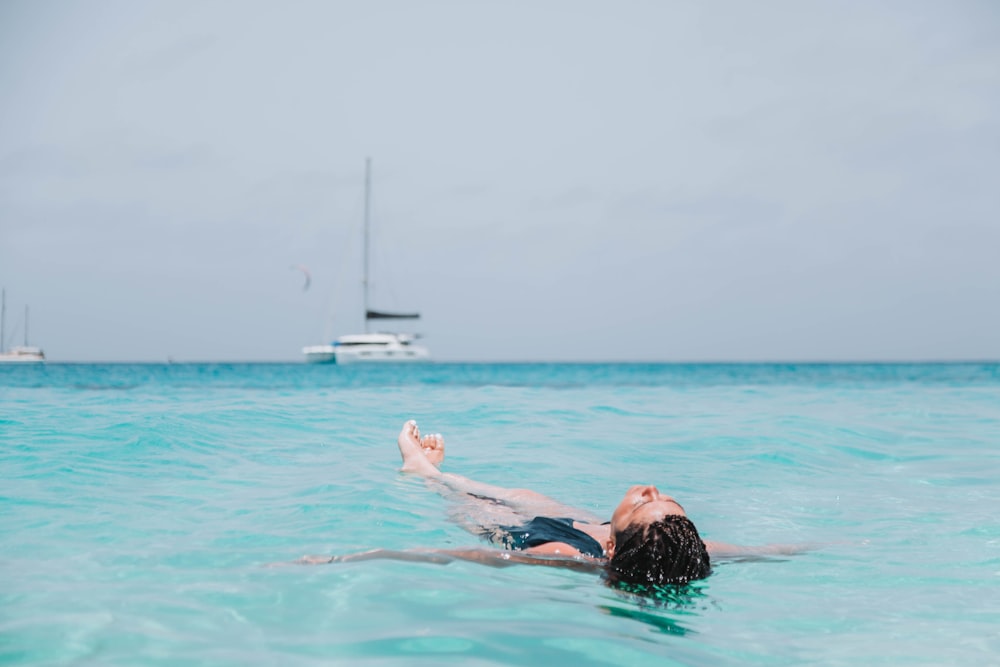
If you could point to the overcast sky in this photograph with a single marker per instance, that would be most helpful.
(553, 180)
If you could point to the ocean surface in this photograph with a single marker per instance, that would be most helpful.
(142, 508)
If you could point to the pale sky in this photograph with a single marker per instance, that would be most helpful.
(553, 180)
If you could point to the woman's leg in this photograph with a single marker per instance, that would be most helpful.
(423, 455)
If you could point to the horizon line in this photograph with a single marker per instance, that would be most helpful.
(720, 362)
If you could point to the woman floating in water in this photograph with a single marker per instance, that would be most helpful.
(649, 540)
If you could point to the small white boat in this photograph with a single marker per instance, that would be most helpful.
(19, 353)
(22, 354)
(370, 346)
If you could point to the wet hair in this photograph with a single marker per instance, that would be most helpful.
(668, 551)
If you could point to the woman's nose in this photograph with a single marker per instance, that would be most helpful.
(650, 493)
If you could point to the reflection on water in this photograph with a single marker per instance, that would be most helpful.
(659, 606)
(663, 623)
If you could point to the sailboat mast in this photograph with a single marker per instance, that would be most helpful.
(3, 318)
(26, 326)
(368, 191)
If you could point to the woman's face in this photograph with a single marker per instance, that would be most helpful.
(643, 504)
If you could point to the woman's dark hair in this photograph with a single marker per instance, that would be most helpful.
(668, 551)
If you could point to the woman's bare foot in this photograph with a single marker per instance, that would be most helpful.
(433, 446)
(420, 456)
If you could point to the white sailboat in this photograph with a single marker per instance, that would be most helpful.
(370, 347)
(19, 353)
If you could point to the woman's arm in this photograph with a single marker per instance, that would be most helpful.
(737, 552)
(492, 557)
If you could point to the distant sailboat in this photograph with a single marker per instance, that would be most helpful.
(370, 347)
(19, 353)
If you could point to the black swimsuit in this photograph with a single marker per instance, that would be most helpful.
(546, 529)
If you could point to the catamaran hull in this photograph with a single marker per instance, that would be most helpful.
(23, 354)
(362, 354)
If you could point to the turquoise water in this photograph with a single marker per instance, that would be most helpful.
(141, 504)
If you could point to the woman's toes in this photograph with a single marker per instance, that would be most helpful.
(410, 431)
